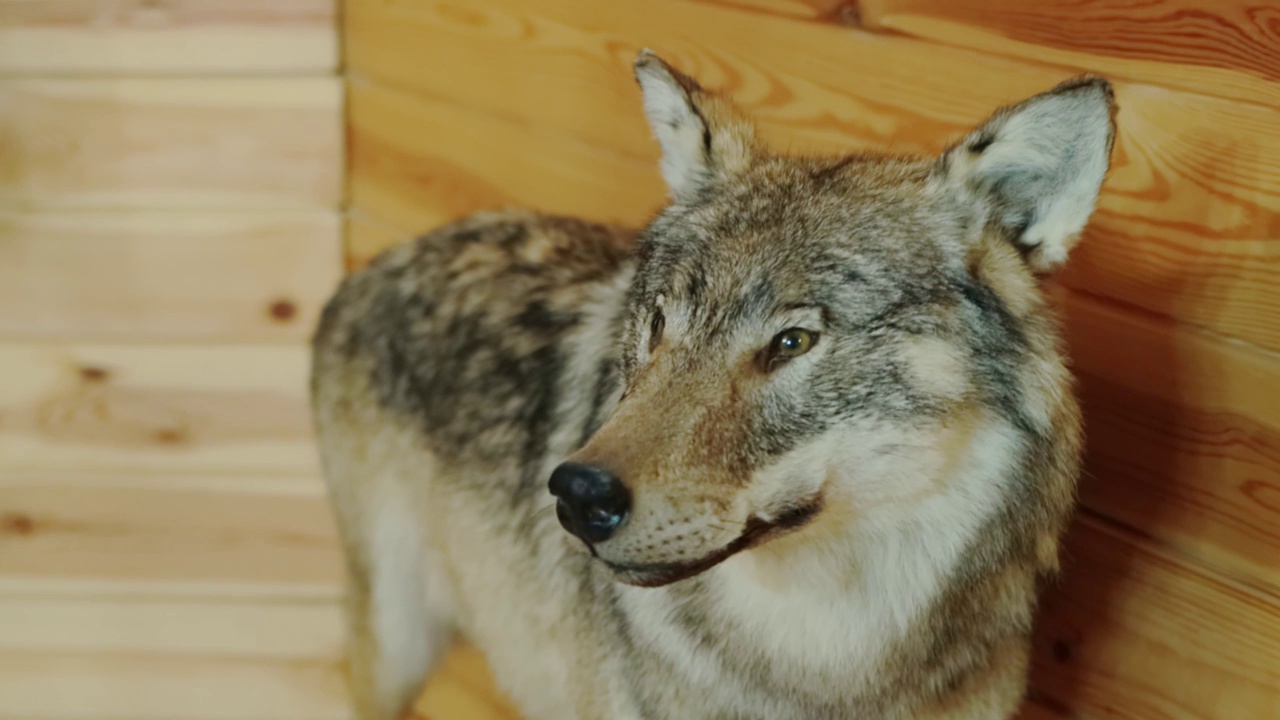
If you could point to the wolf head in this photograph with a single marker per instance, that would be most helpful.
(821, 345)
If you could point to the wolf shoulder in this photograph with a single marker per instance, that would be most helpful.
(457, 327)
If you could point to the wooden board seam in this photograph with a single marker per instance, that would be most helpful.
(1152, 317)
(1145, 542)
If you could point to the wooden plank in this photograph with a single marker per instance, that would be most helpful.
(367, 235)
(462, 688)
(194, 589)
(281, 543)
(1228, 48)
(566, 65)
(307, 486)
(160, 275)
(174, 37)
(1188, 219)
(421, 162)
(832, 10)
(1183, 437)
(1136, 633)
(57, 686)
(1034, 709)
(229, 409)
(254, 628)
(171, 143)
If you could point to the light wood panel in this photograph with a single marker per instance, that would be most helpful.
(1229, 48)
(110, 686)
(1186, 226)
(280, 543)
(170, 143)
(172, 38)
(158, 275)
(171, 182)
(196, 479)
(249, 628)
(209, 408)
(1191, 429)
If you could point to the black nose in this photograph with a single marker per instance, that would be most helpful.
(592, 501)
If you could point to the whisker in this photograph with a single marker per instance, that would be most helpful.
(722, 526)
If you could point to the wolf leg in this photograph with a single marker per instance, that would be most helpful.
(399, 608)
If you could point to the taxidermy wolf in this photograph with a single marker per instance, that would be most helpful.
(802, 447)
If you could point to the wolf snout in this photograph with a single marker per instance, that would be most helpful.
(592, 503)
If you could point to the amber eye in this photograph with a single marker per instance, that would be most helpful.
(790, 343)
(656, 326)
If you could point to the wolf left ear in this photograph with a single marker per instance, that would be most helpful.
(705, 139)
(1038, 167)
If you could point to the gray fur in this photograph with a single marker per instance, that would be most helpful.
(927, 445)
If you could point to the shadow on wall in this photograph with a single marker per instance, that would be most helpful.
(1127, 453)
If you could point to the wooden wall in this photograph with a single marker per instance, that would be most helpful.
(171, 182)
(172, 211)
(1171, 604)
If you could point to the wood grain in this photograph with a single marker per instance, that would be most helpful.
(1183, 444)
(180, 627)
(1188, 220)
(170, 143)
(366, 235)
(1137, 633)
(174, 37)
(163, 536)
(462, 688)
(163, 275)
(833, 10)
(1228, 48)
(228, 409)
(421, 162)
(89, 686)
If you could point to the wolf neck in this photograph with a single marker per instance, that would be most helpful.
(831, 602)
(895, 527)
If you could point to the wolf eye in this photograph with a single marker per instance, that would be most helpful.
(656, 327)
(790, 343)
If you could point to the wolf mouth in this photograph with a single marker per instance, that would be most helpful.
(756, 532)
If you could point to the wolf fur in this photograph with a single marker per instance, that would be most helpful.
(856, 531)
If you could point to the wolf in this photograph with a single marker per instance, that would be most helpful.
(802, 447)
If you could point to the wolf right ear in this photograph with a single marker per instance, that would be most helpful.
(1038, 166)
(704, 138)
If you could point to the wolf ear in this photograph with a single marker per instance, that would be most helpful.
(704, 139)
(1038, 166)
